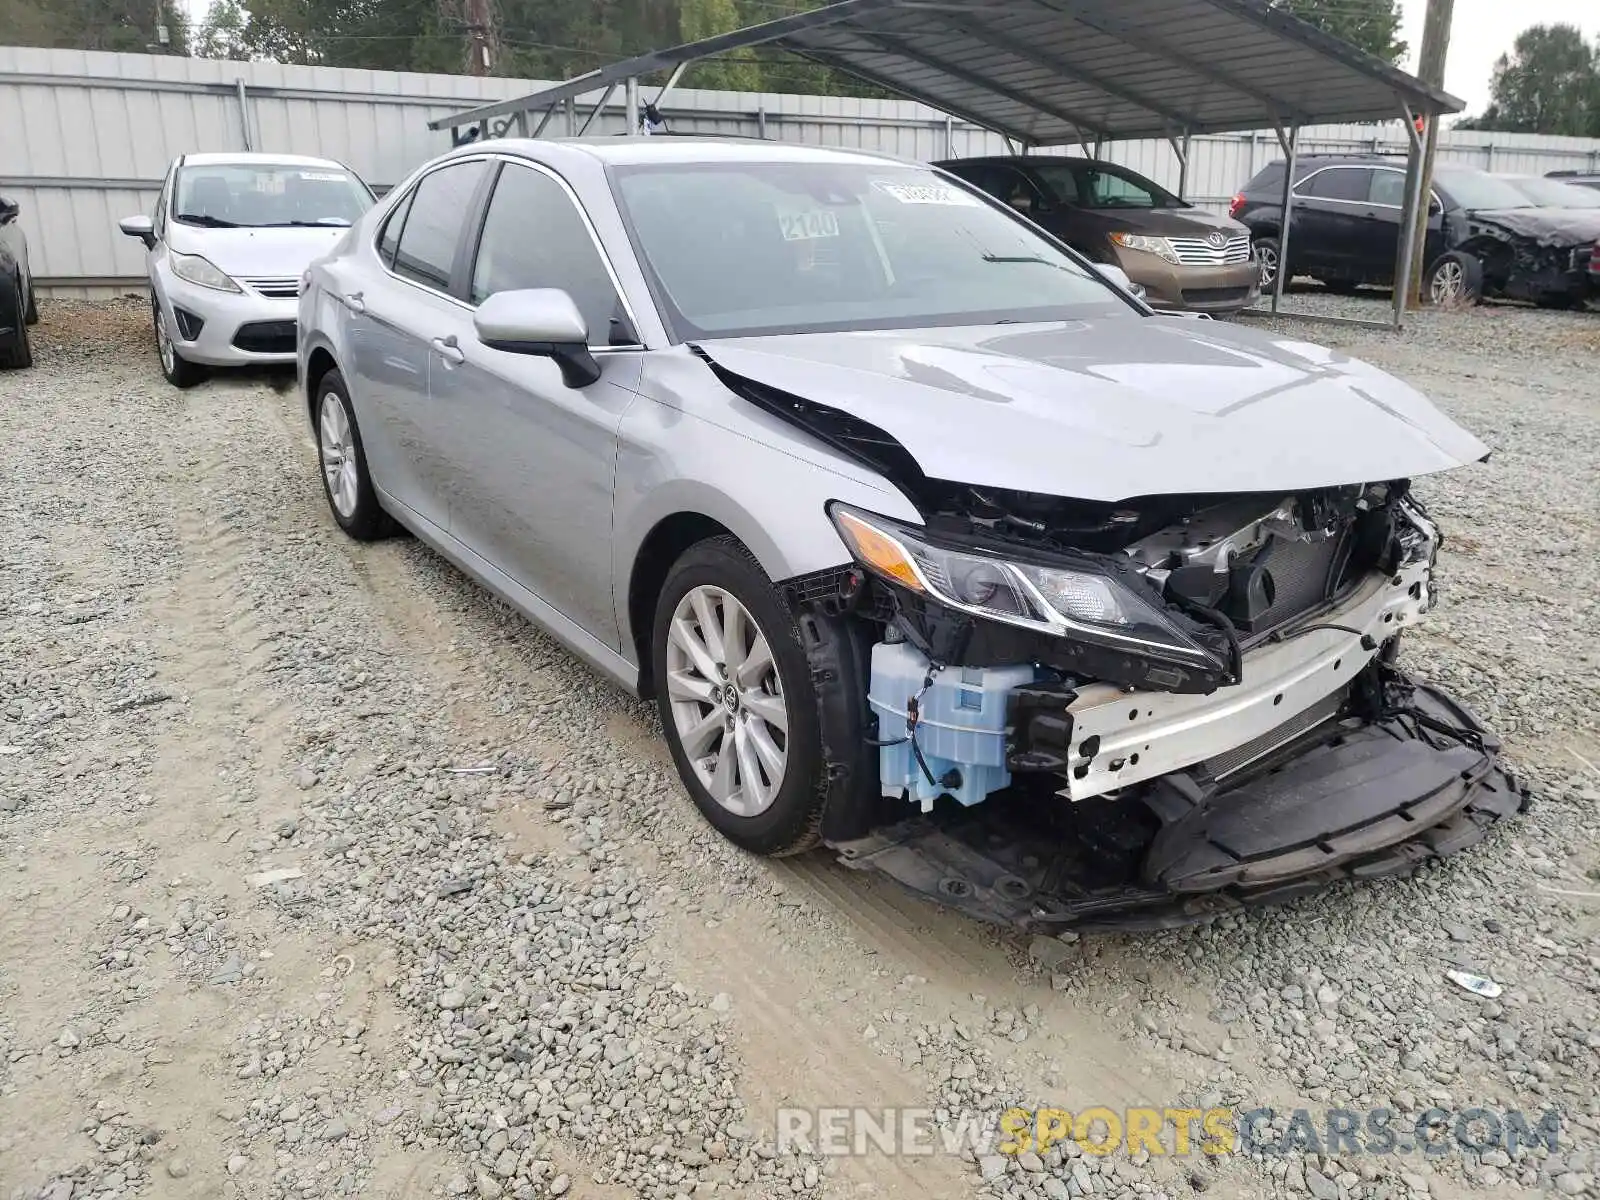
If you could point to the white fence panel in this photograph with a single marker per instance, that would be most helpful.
(85, 137)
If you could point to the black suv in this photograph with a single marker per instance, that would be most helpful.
(1485, 237)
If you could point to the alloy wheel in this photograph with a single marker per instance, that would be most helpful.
(1448, 284)
(727, 700)
(338, 454)
(164, 346)
(1268, 261)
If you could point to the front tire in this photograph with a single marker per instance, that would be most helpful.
(346, 481)
(1455, 280)
(737, 705)
(16, 351)
(33, 305)
(178, 370)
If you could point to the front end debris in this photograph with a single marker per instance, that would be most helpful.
(1050, 713)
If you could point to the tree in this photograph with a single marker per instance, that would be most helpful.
(128, 25)
(1370, 25)
(1549, 83)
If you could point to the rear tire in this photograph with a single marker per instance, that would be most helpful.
(734, 690)
(178, 370)
(33, 305)
(346, 481)
(16, 351)
(1267, 259)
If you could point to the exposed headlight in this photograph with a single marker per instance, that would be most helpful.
(1159, 246)
(1067, 602)
(201, 271)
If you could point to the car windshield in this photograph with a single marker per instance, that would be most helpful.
(1479, 189)
(1551, 193)
(263, 195)
(746, 248)
(1100, 185)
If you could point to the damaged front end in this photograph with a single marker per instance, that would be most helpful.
(1139, 713)
(1546, 255)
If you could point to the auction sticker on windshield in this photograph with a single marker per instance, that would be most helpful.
(925, 193)
(802, 226)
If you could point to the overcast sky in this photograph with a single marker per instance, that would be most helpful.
(1483, 30)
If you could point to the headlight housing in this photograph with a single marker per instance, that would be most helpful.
(1159, 246)
(201, 271)
(1078, 602)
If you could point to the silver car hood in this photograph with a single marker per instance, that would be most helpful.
(1112, 408)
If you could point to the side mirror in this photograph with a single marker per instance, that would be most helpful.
(1435, 207)
(9, 209)
(139, 227)
(542, 322)
(1119, 277)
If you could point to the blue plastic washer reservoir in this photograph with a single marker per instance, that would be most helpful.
(961, 726)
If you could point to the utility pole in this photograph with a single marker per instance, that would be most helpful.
(163, 41)
(1430, 69)
(480, 37)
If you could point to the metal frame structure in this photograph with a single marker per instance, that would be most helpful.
(1036, 73)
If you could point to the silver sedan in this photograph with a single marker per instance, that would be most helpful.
(930, 541)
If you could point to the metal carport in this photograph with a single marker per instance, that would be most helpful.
(1058, 72)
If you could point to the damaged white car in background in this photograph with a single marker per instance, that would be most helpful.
(932, 545)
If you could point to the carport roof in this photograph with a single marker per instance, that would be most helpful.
(1049, 72)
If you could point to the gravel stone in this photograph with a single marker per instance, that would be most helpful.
(483, 928)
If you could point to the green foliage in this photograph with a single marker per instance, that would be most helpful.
(126, 25)
(1371, 25)
(1549, 83)
(537, 39)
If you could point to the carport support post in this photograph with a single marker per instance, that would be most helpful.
(1181, 149)
(244, 113)
(1415, 207)
(1291, 150)
(630, 104)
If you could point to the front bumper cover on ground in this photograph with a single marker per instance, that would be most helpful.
(1354, 798)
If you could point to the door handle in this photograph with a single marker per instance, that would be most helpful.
(355, 301)
(447, 349)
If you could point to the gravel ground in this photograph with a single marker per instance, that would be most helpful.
(326, 875)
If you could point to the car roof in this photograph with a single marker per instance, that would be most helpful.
(242, 159)
(632, 151)
(1029, 160)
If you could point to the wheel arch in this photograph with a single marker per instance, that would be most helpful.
(666, 542)
(319, 361)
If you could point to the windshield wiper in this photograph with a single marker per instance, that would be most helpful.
(1018, 258)
(207, 220)
(328, 223)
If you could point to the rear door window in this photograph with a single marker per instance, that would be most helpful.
(434, 223)
(1388, 187)
(389, 240)
(1337, 183)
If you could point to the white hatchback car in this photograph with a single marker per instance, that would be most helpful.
(229, 240)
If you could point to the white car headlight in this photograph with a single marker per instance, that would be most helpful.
(1159, 246)
(1088, 604)
(202, 271)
